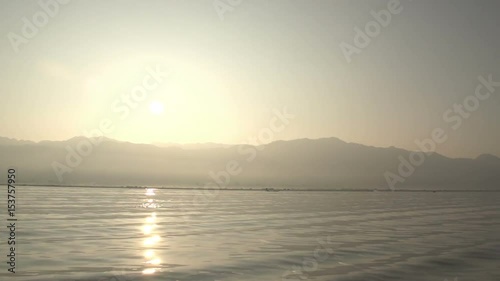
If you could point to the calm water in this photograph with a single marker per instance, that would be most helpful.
(134, 234)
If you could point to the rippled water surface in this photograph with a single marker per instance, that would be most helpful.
(121, 234)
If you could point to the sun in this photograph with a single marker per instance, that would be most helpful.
(156, 107)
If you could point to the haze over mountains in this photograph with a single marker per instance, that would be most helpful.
(328, 163)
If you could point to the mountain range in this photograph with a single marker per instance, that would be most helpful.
(328, 163)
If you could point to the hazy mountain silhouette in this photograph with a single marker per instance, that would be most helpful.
(305, 163)
(192, 145)
(8, 141)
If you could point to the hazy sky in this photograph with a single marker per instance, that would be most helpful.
(227, 75)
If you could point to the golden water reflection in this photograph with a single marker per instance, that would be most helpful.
(149, 271)
(149, 253)
(148, 229)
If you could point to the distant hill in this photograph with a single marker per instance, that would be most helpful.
(8, 141)
(321, 163)
(192, 145)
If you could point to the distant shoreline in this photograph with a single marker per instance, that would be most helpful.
(261, 189)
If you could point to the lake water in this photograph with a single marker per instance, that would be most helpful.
(121, 234)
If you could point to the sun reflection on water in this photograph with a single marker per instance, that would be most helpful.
(150, 237)
(151, 240)
(149, 253)
(155, 261)
(148, 271)
(150, 219)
